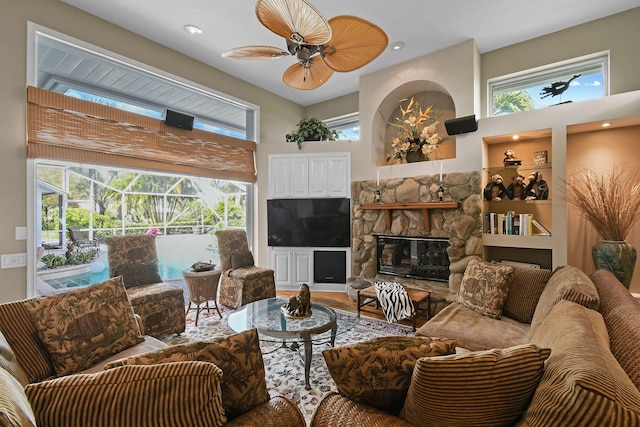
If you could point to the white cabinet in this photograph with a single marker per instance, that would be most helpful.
(302, 176)
(328, 176)
(292, 266)
(288, 177)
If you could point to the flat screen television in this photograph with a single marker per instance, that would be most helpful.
(309, 222)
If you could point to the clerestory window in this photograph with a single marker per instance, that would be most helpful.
(569, 81)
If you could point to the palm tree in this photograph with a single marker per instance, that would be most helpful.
(512, 102)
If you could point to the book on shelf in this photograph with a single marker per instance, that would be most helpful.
(541, 228)
(540, 157)
(510, 223)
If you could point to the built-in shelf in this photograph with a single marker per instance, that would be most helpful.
(424, 207)
(536, 241)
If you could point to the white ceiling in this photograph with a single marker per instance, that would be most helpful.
(424, 26)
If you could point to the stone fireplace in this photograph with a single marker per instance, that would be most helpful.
(460, 226)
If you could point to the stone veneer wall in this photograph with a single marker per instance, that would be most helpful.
(463, 226)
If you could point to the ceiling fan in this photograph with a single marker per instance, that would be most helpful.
(343, 43)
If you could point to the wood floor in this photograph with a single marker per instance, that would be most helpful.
(340, 301)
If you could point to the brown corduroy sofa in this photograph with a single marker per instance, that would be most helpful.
(590, 378)
(80, 359)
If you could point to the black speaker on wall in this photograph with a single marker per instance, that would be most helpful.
(461, 125)
(178, 120)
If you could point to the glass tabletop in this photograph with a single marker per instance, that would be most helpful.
(274, 325)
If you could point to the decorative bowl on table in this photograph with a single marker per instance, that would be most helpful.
(202, 266)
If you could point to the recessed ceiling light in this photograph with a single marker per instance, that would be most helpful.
(397, 45)
(515, 137)
(606, 124)
(192, 29)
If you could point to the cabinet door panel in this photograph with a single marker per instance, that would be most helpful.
(279, 177)
(299, 177)
(281, 264)
(303, 267)
(337, 181)
(318, 176)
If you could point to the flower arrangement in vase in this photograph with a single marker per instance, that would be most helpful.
(610, 201)
(417, 135)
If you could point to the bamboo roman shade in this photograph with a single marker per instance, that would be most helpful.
(65, 128)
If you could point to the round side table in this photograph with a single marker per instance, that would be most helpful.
(203, 287)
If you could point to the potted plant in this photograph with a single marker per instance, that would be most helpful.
(312, 129)
(610, 201)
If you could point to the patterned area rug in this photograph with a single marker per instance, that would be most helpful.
(284, 369)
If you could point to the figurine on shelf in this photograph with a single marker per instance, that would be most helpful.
(510, 159)
(537, 188)
(495, 189)
(515, 191)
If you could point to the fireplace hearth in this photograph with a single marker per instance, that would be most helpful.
(417, 257)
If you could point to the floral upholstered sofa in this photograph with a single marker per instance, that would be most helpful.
(535, 348)
(80, 358)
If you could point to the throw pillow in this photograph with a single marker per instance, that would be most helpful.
(241, 259)
(526, 287)
(485, 286)
(9, 363)
(83, 326)
(167, 395)
(486, 388)
(16, 326)
(15, 409)
(378, 372)
(566, 283)
(139, 273)
(238, 356)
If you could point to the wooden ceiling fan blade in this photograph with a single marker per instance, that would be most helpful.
(307, 78)
(294, 20)
(356, 42)
(256, 52)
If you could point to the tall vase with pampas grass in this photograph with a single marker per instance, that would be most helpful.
(610, 201)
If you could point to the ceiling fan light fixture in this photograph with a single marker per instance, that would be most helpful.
(343, 43)
(193, 29)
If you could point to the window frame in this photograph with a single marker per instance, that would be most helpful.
(33, 32)
(345, 121)
(523, 80)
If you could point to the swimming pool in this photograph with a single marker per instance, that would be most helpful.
(175, 253)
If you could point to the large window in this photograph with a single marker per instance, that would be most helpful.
(99, 201)
(571, 81)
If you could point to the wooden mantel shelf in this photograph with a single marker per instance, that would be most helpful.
(425, 207)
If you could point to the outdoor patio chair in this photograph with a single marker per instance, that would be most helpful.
(241, 281)
(160, 305)
(80, 239)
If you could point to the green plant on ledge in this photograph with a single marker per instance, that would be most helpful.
(312, 129)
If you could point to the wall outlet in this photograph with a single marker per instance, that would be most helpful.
(13, 260)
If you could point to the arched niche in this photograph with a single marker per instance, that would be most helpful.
(426, 93)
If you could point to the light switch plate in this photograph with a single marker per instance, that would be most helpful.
(21, 233)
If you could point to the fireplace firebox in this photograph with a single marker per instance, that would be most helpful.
(418, 257)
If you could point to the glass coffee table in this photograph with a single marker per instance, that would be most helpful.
(274, 326)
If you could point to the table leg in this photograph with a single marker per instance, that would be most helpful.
(334, 331)
(308, 354)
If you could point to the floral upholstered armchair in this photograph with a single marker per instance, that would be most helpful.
(160, 305)
(241, 281)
